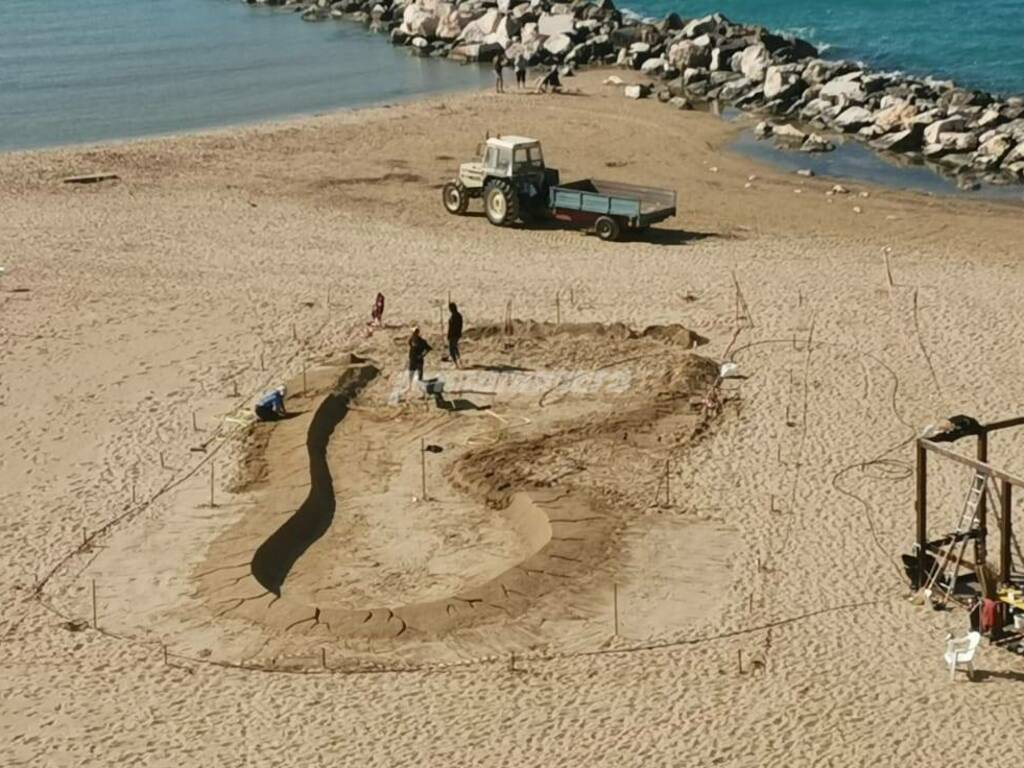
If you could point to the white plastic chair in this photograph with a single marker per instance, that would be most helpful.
(960, 653)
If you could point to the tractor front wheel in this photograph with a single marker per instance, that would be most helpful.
(501, 204)
(607, 228)
(455, 198)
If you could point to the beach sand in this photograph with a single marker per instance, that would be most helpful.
(763, 619)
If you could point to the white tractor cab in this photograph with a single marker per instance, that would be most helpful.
(510, 177)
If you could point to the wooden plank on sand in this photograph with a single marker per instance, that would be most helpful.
(90, 178)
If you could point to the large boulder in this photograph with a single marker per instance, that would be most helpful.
(782, 82)
(703, 26)
(687, 55)
(908, 140)
(854, 118)
(418, 21)
(477, 30)
(561, 24)
(754, 62)
(952, 124)
(449, 26)
(848, 90)
(656, 66)
(558, 45)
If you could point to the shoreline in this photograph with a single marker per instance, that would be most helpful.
(729, 138)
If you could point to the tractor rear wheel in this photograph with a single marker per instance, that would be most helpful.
(501, 204)
(455, 198)
(607, 228)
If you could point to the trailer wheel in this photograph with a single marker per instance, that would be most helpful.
(607, 228)
(501, 204)
(455, 198)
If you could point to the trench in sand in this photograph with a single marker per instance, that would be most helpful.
(535, 511)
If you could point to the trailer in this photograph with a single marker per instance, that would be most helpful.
(515, 185)
(610, 207)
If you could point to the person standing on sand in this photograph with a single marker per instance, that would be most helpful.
(499, 79)
(418, 349)
(520, 71)
(454, 334)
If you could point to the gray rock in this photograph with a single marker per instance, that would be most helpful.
(837, 89)
(679, 102)
(687, 55)
(558, 45)
(854, 118)
(782, 82)
(735, 89)
(636, 91)
(789, 134)
(560, 24)
(817, 143)
(936, 129)
(763, 129)
(702, 26)
(656, 66)
(754, 62)
(908, 140)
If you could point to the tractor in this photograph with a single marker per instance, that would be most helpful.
(510, 177)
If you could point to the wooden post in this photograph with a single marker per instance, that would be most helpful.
(615, 605)
(668, 483)
(85, 539)
(423, 470)
(234, 388)
(162, 464)
(440, 313)
(739, 660)
(558, 310)
(165, 654)
(262, 366)
(133, 493)
(303, 377)
(295, 333)
(212, 504)
(95, 625)
(195, 426)
(1005, 533)
(323, 658)
(980, 547)
(922, 514)
(512, 662)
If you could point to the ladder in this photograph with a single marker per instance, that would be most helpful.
(954, 553)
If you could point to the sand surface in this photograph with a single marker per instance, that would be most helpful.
(221, 264)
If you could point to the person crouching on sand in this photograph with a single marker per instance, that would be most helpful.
(270, 407)
(454, 334)
(377, 315)
(418, 349)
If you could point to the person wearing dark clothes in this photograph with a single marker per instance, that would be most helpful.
(499, 79)
(418, 349)
(377, 315)
(520, 67)
(454, 334)
(550, 82)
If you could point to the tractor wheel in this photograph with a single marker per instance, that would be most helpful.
(455, 198)
(607, 228)
(501, 204)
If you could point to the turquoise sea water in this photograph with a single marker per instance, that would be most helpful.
(73, 71)
(978, 43)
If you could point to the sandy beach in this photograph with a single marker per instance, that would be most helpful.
(750, 562)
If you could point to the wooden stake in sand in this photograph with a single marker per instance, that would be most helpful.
(195, 426)
(739, 660)
(423, 470)
(295, 333)
(162, 464)
(303, 377)
(165, 654)
(323, 658)
(615, 606)
(558, 309)
(212, 504)
(95, 625)
(133, 493)
(262, 367)
(234, 388)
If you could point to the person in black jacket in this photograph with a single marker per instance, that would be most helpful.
(454, 334)
(418, 348)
